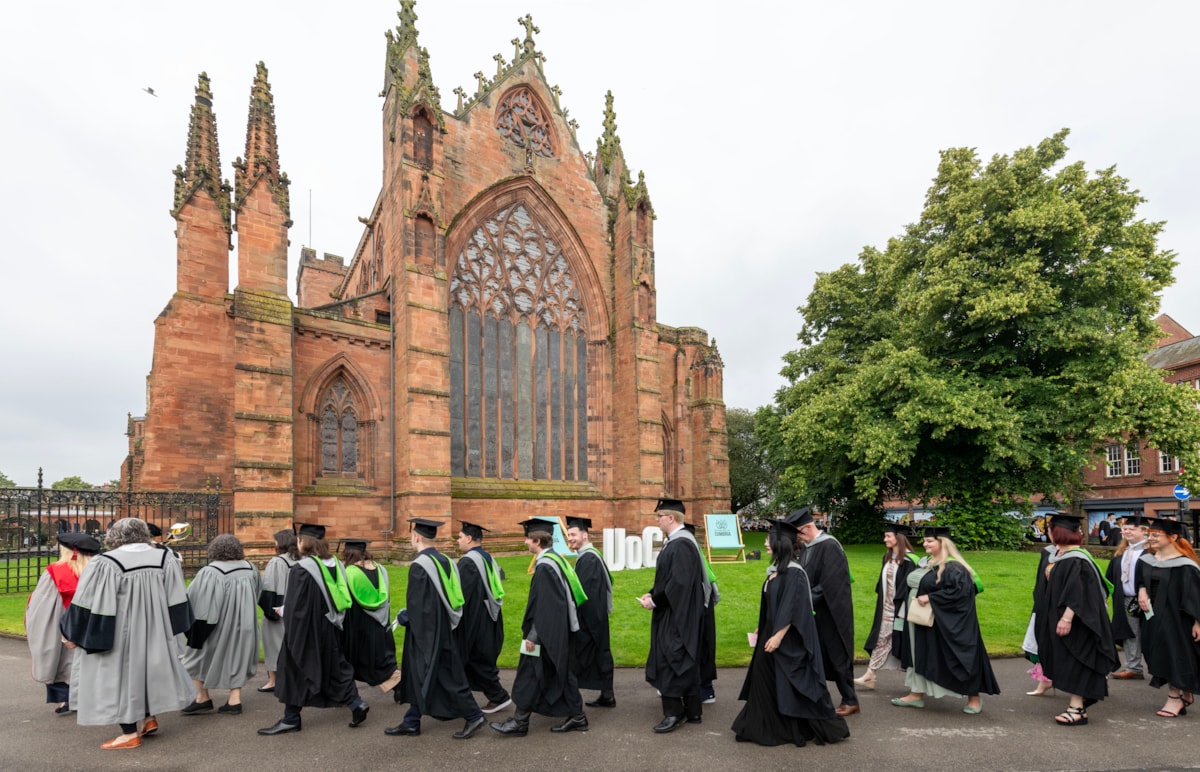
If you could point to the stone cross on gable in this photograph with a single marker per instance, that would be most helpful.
(499, 58)
(530, 29)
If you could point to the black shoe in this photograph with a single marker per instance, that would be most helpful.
(573, 724)
(668, 724)
(695, 719)
(197, 707)
(494, 705)
(469, 729)
(231, 710)
(602, 702)
(359, 714)
(281, 727)
(511, 727)
(403, 730)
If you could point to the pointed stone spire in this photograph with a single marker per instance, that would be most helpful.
(262, 148)
(403, 38)
(202, 167)
(608, 146)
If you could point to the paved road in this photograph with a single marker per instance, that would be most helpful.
(1015, 732)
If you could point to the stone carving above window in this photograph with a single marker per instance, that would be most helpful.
(512, 267)
(521, 118)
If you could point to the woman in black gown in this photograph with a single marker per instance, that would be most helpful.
(370, 645)
(1168, 590)
(786, 698)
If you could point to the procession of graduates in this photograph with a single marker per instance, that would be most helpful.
(118, 637)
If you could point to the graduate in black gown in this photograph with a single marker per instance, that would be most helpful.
(786, 698)
(1029, 644)
(312, 669)
(677, 602)
(370, 645)
(434, 682)
(948, 658)
(593, 652)
(1168, 590)
(481, 631)
(829, 575)
(708, 628)
(1074, 634)
(891, 588)
(545, 681)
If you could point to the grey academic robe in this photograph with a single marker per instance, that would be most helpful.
(222, 651)
(51, 658)
(274, 590)
(128, 608)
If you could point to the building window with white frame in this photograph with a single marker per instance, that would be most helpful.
(1113, 465)
(1167, 463)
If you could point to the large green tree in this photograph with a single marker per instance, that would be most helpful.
(6, 482)
(993, 349)
(72, 483)
(751, 477)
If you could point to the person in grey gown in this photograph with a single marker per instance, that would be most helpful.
(130, 604)
(222, 650)
(274, 590)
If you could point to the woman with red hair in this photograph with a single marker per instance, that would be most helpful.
(1168, 585)
(1074, 636)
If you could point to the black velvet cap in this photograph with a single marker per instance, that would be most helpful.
(798, 518)
(936, 532)
(472, 530)
(425, 527)
(670, 505)
(1065, 520)
(1169, 527)
(79, 541)
(900, 528)
(582, 523)
(786, 528)
(1137, 519)
(310, 529)
(537, 526)
(354, 544)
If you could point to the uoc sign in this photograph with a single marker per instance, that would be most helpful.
(622, 551)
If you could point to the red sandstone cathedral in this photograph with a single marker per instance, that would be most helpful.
(490, 353)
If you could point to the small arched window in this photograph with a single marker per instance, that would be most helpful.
(339, 431)
(422, 140)
(424, 241)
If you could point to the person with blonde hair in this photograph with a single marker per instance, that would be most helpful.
(1168, 592)
(947, 657)
(44, 610)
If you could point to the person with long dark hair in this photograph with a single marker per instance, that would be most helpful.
(786, 698)
(1168, 592)
(274, 590)
(947, 658)
(370, 644)
(890, 591)
(1074, 634)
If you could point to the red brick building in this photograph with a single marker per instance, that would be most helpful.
(490, 352)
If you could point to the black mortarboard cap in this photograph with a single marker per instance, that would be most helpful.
(1170, 527)
(537, 526)
(425, 527)
(155, 529)
(1136, 519)
(798, 518)
(472, 530)
(354, 544)
(79, 541)
(582, 523)
(310, 529)
(670, 505)
(786, 528)
(900, 528)
(937, 532)
(1065, 520)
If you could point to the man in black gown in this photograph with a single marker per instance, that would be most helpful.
(823, 559)
(433, 680)
(312, 668)
(481, 632)
(594, 660)
(545, 681)
(677, 603)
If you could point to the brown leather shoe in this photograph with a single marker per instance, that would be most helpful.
(846, 710)
(117, 743)
(149, 727)
(1128, 675)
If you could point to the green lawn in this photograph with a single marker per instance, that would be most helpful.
(1003, 608)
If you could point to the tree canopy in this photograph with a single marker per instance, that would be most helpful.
(6, 482)
(993, 348)
(752, 480)
(72, 483)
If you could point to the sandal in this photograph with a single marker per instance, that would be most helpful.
(1072, 716)
(1164, 713)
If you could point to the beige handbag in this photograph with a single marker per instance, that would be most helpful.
(920, 615)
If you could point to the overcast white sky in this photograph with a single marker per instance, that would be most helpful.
(777, 138)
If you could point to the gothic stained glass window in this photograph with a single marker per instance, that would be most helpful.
(521, 118)
(339, 431)
(518, 355)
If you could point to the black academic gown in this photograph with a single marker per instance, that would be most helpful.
(546, 683)
(1121, 631)
(480, 638)
(951, 652)
(786, 698)
(901, 592)
(1172, 657)
(593, 652)
(312, 669)
(1080, 661)
(370, 646)
(829, 573)
(673, 664)
(431, 667)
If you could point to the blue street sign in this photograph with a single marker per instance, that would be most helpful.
(1182, 493)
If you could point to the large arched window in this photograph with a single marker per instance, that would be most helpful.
(518, 355)
(339, 431)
